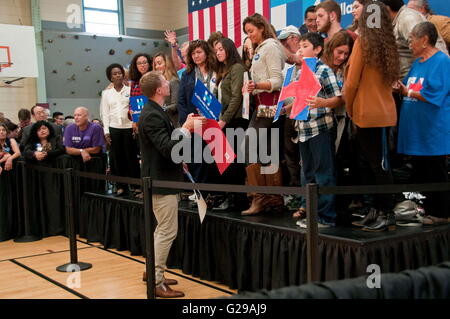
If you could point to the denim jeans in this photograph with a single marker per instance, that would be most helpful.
(318, 166)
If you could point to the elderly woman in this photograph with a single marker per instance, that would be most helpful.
(9, 150)
(425, 119)
(42, 145)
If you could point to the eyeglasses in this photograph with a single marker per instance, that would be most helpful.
(141, 63)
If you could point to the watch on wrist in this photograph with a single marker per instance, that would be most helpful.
(81, 151)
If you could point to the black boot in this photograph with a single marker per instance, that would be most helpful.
(371, 217)
(383, 222)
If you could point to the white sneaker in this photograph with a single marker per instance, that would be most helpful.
(303, 224)
(192, 197)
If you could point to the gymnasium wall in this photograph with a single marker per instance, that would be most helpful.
(75, 62)
(144, 22)
(23, 94)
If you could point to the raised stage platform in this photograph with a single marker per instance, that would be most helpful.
(267, 251)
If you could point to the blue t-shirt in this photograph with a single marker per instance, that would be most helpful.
(424, 128)
(92, 136)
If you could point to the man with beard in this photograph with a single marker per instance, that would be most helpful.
(329, 19)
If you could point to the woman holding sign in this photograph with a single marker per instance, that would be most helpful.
(201, 66)
(267, 79)
(118, 127)
(424, 128)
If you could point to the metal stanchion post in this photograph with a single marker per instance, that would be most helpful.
(149, 240)
(312, 234)
(27, 237)
(74, 265)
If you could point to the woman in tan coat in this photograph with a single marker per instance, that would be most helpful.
(373, 69)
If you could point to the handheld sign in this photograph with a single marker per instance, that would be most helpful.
(137, 104)
(246, 100)
(221, 150)
(307, 85)
(206, 102)
(287, 81)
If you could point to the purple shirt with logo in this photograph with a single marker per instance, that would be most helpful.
(92, 136)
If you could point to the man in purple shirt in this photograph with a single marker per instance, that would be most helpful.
(83, 137)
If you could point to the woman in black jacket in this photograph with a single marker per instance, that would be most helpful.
(230, 79)
(42, 145)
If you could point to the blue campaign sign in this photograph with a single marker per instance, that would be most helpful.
(287, 80)
(303, 116)
(137, 104)
(292, 12)
(206, 102)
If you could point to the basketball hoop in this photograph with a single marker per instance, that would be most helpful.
(5, 54)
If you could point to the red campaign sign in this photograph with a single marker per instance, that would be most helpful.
(306, 86)
(217, 143)
(416, 87)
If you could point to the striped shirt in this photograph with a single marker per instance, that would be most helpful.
(320, 119)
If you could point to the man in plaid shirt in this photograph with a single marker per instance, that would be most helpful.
(317, 134)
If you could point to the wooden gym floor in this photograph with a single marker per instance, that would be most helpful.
(28, 271)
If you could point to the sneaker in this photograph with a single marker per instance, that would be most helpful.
(192, 197)
(303, 224)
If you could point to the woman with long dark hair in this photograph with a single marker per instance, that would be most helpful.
(141, 64)
(373, 69)
(265, 84)
(201, 66)
(230, 79)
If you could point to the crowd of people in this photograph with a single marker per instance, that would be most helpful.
(384, 102)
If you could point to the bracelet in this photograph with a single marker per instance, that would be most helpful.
(409, 93)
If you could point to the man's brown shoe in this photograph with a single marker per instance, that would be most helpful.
(167, 281)
(164, 291)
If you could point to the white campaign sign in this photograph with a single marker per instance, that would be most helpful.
(18, 46)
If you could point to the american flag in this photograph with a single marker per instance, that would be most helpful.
(208, 16)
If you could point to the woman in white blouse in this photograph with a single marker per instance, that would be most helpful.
(265, 85)
(118, 128)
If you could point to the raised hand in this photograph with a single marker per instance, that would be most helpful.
(171, 37)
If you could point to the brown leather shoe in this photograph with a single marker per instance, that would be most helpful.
(167, 281)
(164, 291)
(274, 201)
(256, 207)
(170, 282)
(254, 178)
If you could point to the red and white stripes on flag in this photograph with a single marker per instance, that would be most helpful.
(225, 16)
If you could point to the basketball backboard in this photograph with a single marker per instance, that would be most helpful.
(17, 52)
